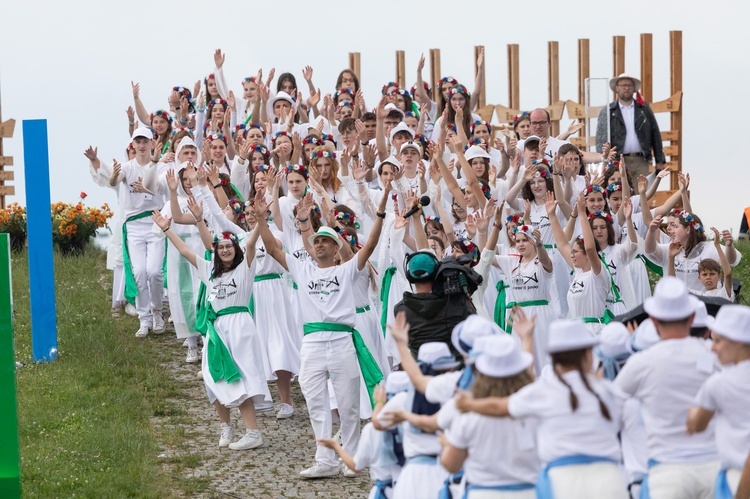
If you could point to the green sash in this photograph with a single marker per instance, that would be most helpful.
(131, 288)
(608, 317)
(258, 278)
(550, 246)
(201, 309)
(384, 292)
(371, 373)
(362, 310)
(615, 289)
(530, 303)
(651, 265)
(220, 362)
(500, 304)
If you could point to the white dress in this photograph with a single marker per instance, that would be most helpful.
(237, 332)
(540, 220)
(587, 296)
(617, 257)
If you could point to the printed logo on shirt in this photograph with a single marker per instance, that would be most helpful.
(684, 267)
(542, 223)
(301, 254)
(522, 281)
(224, 290)
(576, 287)
(323, 288)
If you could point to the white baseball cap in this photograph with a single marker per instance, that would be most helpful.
(401, 127)
(476, 152)
(671, 301)
(397, 381)
(502, 357)
(142, 131)
(411, 144)
(565, 335)
(733, 322)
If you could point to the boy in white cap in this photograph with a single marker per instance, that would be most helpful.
(331, 346)
(143, 251)
(726, 395)
(665, 379)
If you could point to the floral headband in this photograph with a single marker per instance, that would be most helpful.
(422, 140)
(163, 114)
(250, 79)
(523, 229)
(346, 103)
(674, 212)
(297, 168)
(389, 85)
(342, 216)
(431, 219)
(481, 122)
(312, 139)
(261, 149)
(475, 142)
(426, 87)
(614, 187)
(520, 117)
(323, 154)
(175, 131)
(342, 92)
(327, 137)
(448, 79)
(222, 102)
(246, 127)
(452, 126)
(282, 133)
(352, 240)
(513, 219)
(472, 249)
(218, 136)
(262, 168)
(411, 113)
(691, 221)
(540, 173)
(601, 214)
(543, 162)
(485, 190)
(592, 188)
(459, 89)
(184, 92)
(225, 236)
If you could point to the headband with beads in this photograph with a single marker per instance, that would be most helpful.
(592, 188)
(601, 214)
(225, 236)
(323, 154)
(161, 113)
(389, 85)
(691, 221)
(481, 122)
(218, 136)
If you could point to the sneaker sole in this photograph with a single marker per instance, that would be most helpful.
(328, 475)
(246, 448)
(284, 416)
(192, 361)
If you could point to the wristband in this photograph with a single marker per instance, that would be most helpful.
(131, 123)
(364, 143)
(303, 221)
(217, 185)
(539, 245)
(381, 215)
(497, 226)
(571, 216)
(482, 233)
(165, 230)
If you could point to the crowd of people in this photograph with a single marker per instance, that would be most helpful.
(454, 282)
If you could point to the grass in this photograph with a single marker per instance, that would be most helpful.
(742, 271)
(84, 420)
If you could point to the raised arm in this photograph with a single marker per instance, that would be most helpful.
(400, 333)
(563, 246)
(164, 224)
(372, 241)
(557, 175)
(471, 177)
(490, 406)
(174, 205)
(381, 113)
(269, 241)
(515, 190)
(673, 251)
(140, 109)
(650, 244)
(589, 243)
(542, 254)
(447, 176)
(478, 81)
(724, 260)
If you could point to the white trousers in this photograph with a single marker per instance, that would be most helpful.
(338, 359)
(118, 287)
(683, 480)
(593, 480)
(146, 251)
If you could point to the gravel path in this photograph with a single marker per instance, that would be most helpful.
(188, 433)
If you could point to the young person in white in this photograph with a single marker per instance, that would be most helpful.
(665, 379)
(145, 250)
(578, 419)
(726, 395)
(328, 347)
(232, 361)
(473, 439)
(716, 277)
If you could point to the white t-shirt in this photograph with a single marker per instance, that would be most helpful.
(728, 394)
(686, 269)
(502, 451)
(370, 453)
(562, 432)
(440, 389)
(231, 289)
(326, 295)
(665, 378)
(415, 443)
(134, 202)
(587, 295)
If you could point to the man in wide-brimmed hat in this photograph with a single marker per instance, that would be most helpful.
(633, 128)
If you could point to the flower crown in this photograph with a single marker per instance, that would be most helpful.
(523, 229)
(261, 149)
(389, 85)
(430, 219)
(592, 188)
(691, 221)
(617, 186)
(323, 154)
(481, 122)
(601, 214)
(485, 190)
(249, 79)
(411, 113)
(218, 136)
(312, 139)
(448, 79)
(352, 240)
(543, 173)
(297, 168)
(470, 248)
(452, 126)
(459, 89)
(225, 236)
(327, 137)
(674, 212)
(426, 87)
(222, 102)
(342, 216)
(543, 161)
(184, 92)
(520, 116)
(346, 103)
(175, 131)
(422, 140)
(163, 114)
(342, 92)
(513, 219)
(282, 133)
(475, 142)
(211, 76)
(246, 127)
(262, 168)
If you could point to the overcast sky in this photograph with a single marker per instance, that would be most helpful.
(72, 62)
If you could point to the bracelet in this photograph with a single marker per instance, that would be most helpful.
(571, 216)
(217, 185)
(497, 226)
(539, 245)
(303, 221)
(165, 230)
(131, 123)
(241, 159)
(363, 143)
(482, 233)
(381, 215)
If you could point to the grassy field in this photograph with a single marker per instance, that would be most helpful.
(84, 420)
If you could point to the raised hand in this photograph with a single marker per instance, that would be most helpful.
(400, 329)
(314, 99)
(136, 90)
(481, 221)
(674, 249)
(655, 224)
(522, 324)
(131, 114)
(627, 208)
(260, 208)
(307, 73)
(91, 153)
(172, 181)
(168, 158)
(642, 184)
(575, 126)
(550, 204)
(727, 236)
(231, 100)
(196, 208)
(160, 220)
(219, 58)
(717, 237)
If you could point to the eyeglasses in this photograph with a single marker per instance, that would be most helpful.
(538, 123)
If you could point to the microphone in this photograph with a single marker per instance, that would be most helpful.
(423, 201)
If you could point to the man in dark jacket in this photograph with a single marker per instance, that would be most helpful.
(431, 316)
(632, 128)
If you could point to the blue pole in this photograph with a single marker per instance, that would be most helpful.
(39, 229)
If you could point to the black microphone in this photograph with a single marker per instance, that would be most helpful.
(423, 201)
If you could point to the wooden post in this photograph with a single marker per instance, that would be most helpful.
(514, 86)
(6, 132)
(483, 94)
(553, 77)
(583, 73)
(401, 68)
(354, 64)
(647, 67)
(618, 50)
(435, 75)
(675, 85)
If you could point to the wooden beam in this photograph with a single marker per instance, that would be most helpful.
(6, 175)
(6, 160)
(583, 73)
(553, 78)
(435, 74)
(675, 79)
(7, 190)
(647, 67)
(401, 68)
(483, 94)
(514, 86)
(618, 51)
(6, 129)
(354, 64)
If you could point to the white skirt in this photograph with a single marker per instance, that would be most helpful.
(237, 331)
(419, 480)
(588, 480)
(279, 333)
(368, 325)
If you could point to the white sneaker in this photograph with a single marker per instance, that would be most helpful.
(142, 331)
(250, 440)
(319, 470)
(348, 472)
(227, 434)
(130, 310)
(159, 325)
(285, 411)
(193, 355)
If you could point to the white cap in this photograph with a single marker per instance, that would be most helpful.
(468, 331)
(476, 152)
(614, 340)
(397, 381)
(327, 232)
(733, 322)
(437, 355)
(565, 335)
(282, 96)
(531, 138)
(671, 301)
(411, 144)
(401, 127)
(613, 81)
(392, 107)
(644, 336)
(702, 319)
(142, 131)
(393, 161)
(502, 357)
